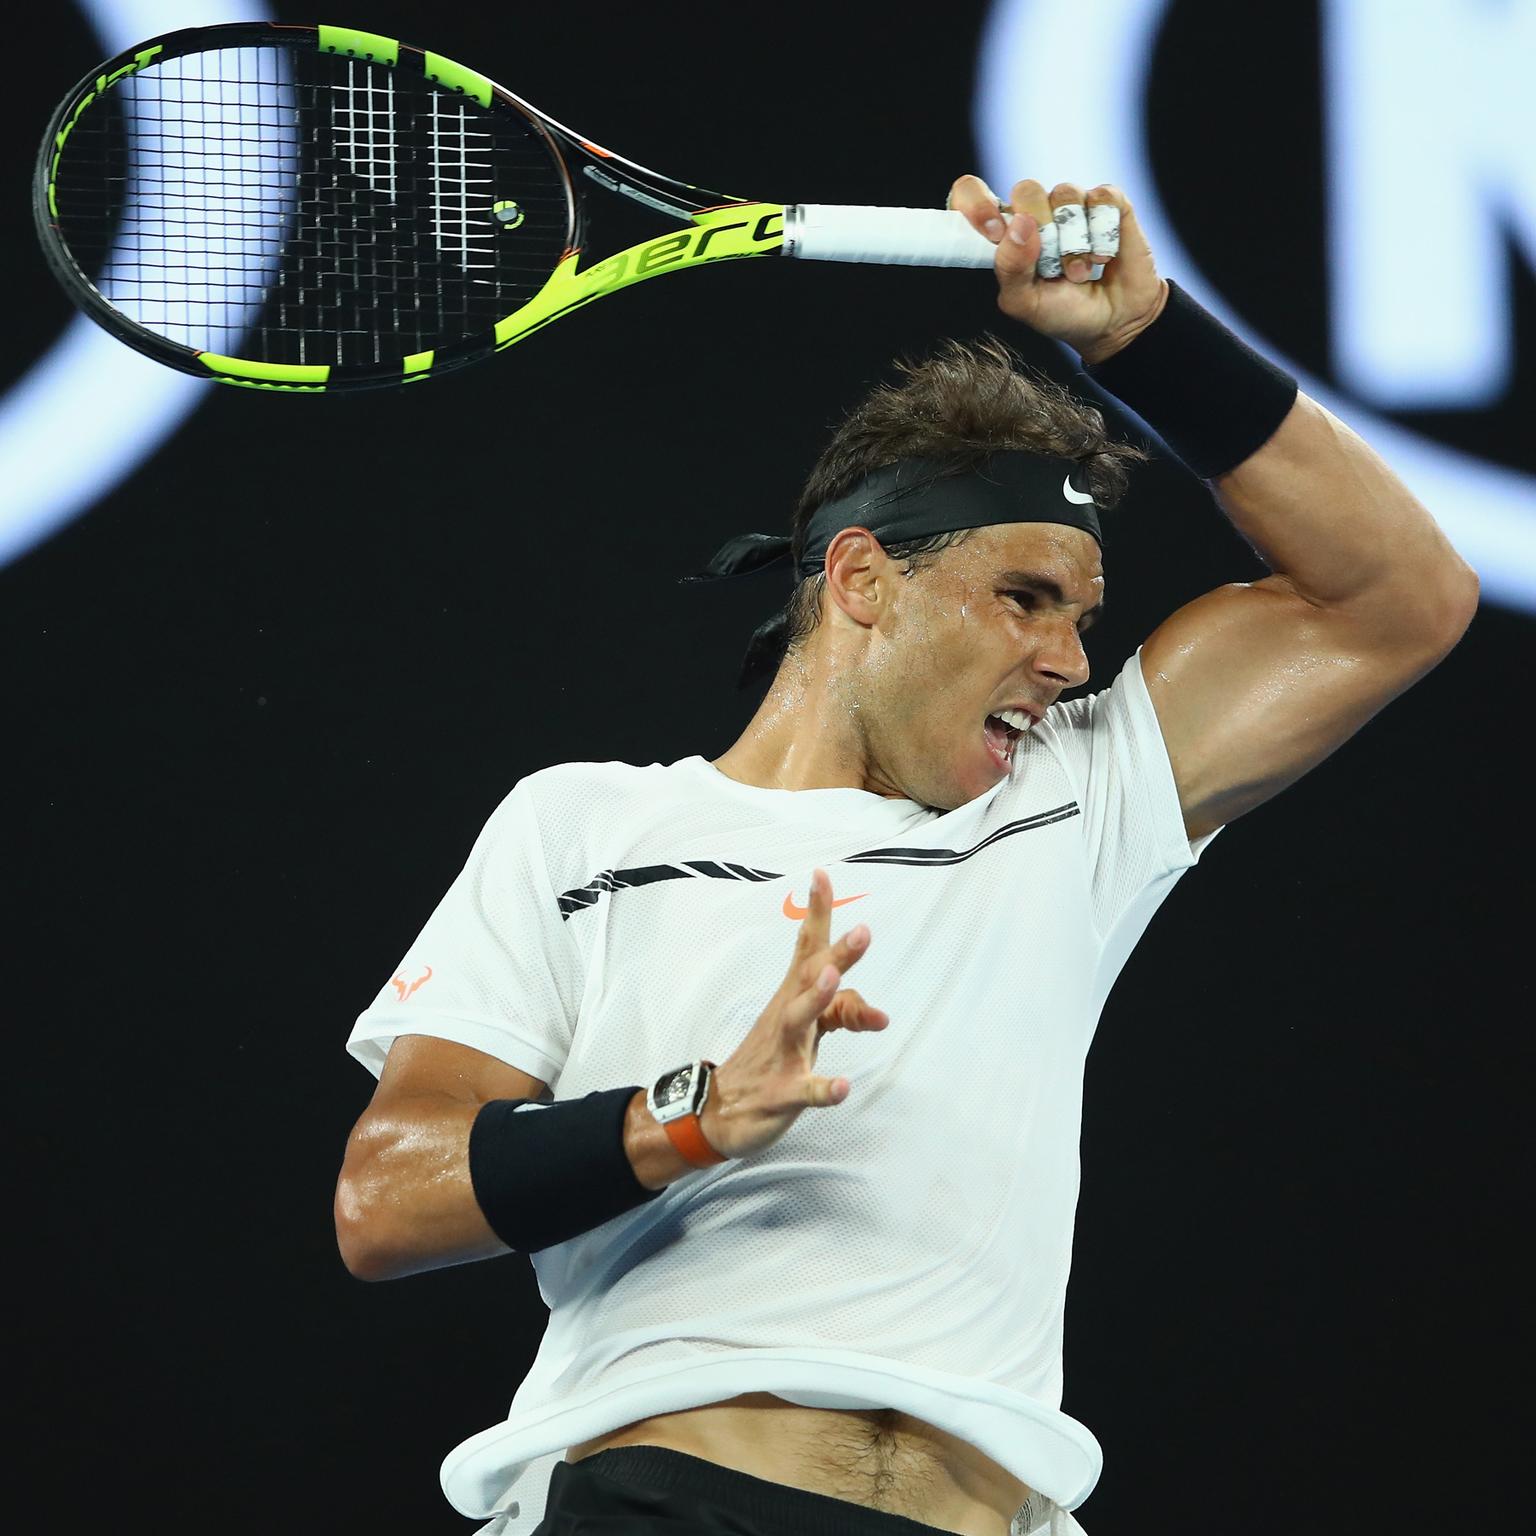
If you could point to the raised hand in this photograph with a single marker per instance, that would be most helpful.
(757, 1094)
(1048, 244)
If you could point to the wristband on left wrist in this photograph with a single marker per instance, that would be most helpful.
(1210, 397)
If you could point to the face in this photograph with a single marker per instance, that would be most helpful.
(993, 623)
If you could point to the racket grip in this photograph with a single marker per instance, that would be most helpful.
(911, 237)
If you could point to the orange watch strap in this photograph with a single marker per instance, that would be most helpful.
(686, 1136)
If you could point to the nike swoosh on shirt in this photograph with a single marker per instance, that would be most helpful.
(796, 913)
(1071, 495)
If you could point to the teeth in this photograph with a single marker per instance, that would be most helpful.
(1016, 718)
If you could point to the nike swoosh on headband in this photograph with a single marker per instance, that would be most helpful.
(1076, 496)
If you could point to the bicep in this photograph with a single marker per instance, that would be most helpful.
(1253, 686)
(431, 1088)
(423, 1066)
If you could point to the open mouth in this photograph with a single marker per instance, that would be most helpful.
(1001, 736)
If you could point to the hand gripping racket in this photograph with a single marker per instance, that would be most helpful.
(312, 208)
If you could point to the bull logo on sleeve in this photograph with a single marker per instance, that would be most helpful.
(404, 988)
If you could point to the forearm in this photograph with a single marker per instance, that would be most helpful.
(406, 1201)
(1325, 511)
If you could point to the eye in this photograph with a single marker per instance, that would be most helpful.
(1029, 601)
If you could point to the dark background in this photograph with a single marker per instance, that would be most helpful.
(264, 696)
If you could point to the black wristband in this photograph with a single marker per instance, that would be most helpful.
(552, 1173)
(1205, 392)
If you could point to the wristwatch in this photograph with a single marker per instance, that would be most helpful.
(677, 1099)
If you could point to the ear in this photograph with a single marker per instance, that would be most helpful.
(857, 575)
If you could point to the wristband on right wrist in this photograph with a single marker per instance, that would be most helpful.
(553, 1171)
(1210, 397)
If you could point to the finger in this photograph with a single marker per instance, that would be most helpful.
(821, 1092)
(846, 952)
(812, 1000)
(1031, 235)
(848, 1010)
(818, 918)
(1132, 246)
(1103, 227)
(809, 953)
(1070, 214)
(1018, 255)
(849, 949)
(971, 196)
(818, 911)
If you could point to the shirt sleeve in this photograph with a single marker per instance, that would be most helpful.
(494, 968)
(1132, 822)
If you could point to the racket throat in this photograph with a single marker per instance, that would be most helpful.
(673, 210)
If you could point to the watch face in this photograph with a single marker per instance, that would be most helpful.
(675, 1087)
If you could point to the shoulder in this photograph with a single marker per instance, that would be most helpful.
(585, 805)
(596, 787)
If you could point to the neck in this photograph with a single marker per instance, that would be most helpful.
(806, 734)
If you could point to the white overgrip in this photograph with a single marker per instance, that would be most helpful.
(911, 237)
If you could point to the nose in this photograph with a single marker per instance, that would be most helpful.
(1059, 655)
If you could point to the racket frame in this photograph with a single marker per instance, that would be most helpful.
(715, 227)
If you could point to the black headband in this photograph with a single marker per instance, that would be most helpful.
(916, 498)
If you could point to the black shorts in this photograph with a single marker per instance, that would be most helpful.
(637, 1490)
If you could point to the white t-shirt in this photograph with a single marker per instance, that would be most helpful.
(906, 1249)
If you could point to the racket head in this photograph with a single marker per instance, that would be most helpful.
(301, 207)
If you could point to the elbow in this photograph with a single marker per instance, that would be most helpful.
(354, 1232)
(364, 1239)
(1456, 607)
(1423, 617)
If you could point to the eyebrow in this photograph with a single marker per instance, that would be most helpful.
(1036, 581)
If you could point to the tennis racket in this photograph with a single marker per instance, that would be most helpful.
(313, 208)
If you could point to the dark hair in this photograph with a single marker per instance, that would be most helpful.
(967, 400)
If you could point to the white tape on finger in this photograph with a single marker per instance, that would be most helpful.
(1072, 221)
(1104, 230)
(1049, 262)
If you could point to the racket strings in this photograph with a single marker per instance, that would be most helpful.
(455, 179)
(294, 207)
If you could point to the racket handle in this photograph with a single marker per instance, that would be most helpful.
(911, 237)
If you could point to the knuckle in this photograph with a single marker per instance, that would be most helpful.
(1065, 192)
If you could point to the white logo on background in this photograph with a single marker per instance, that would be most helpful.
(1071, 495)
(1428, 96)
(1487, 510)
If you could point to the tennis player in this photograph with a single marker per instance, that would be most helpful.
(600, 1049)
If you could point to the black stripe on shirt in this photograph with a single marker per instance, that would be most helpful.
(916, 858)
